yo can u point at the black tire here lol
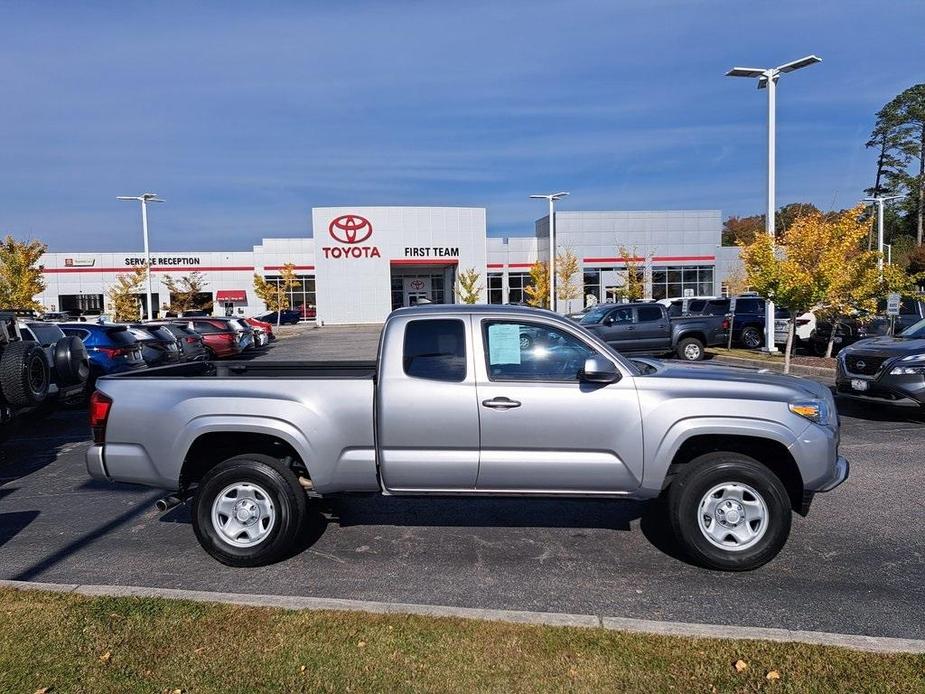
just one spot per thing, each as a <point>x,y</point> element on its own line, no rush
<point>751,338</point>
<point>72,365</point>
<point>24,373</point>
<point>690,349</point>
<point>281,487</point>
<point>693,483</point>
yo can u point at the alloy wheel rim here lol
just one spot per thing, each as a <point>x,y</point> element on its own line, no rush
<point>733,516</point>
<point>243,514</point>
<point>692,352</point>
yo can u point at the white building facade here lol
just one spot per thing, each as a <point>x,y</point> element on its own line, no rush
<point>363,262</point>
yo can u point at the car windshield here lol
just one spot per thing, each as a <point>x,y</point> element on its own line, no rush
<point>595,314</point>
<point>916,330</point>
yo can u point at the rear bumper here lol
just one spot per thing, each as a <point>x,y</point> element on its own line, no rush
<point>96,467</point>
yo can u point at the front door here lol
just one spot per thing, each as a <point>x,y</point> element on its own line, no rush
<point>653,331</point>
<point>544,430</point>
<point>617,329</point>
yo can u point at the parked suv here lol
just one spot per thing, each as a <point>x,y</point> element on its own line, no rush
<point>189,342</point>
<point>885,370</point>
<point>68,362</point>
<point>112,348</point>
<point>24,372</point>
<point>218,336</point>
<point>850,329</point>
<point>158,346</point>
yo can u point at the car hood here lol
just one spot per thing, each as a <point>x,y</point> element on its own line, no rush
<point>886,346</point>
<point>715,378</point>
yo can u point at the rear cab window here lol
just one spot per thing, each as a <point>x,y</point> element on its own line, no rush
<point>648,314</point>
<point>435,350</point>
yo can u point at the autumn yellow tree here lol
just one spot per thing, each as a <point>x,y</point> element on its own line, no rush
<point>20,273</point>
<point>567,270</point>
<point>467,287</point>
<point>634,277</point>
<point>538,290</point>
<point>123,295</point>
<point>275,293</point>
<point>820,264</point>
<point>185,293</point>
<point>736,282</point>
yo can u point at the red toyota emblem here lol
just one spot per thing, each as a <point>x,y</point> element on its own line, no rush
<point>417,285</point>
<point>350,228</point>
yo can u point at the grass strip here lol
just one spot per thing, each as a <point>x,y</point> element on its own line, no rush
<point>55,642</point>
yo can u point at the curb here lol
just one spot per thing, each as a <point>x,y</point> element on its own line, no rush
<point>876,644</point>
<point>795,369</point>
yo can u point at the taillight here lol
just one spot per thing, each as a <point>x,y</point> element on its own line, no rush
<point>190,340</point>
<point>100,405</point>
<point>725,324</point>
<point>113,352</point>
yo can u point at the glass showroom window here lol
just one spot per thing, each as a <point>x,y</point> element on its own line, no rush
<point>303,295</point>
<point>592,284</point>
<point>517,283</point>
<point>670,282</point>
<point>495,288</point>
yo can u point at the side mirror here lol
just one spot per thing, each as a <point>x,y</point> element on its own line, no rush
<point>597,369</point>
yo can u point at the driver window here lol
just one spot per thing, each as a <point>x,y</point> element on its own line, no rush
<point>621,315</point>
<point>532,352</point>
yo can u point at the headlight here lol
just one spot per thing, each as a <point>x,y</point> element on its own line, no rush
<point>814,410</point>
<point>907,370</point>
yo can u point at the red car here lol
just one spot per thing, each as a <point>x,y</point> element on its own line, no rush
<point>307,312</point>
<point>219,338</point>
<point>263,325</point>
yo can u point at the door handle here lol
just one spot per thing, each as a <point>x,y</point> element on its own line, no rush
<point>500,403</point>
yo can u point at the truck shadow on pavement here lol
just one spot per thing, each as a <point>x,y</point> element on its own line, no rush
<point>502,512</point>
<point>37,443</point>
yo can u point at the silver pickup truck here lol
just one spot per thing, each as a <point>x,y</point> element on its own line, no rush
<point>457,404</point>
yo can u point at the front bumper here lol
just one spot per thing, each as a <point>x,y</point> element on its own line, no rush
<point>906,390</point>
<point>842,470</point>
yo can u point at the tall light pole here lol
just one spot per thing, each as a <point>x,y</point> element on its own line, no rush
<point>144,199</point>
<point>878,200</point>
<point>767,79</point>
<point>552,197</point>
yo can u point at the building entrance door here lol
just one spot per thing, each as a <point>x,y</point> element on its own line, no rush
<point>417,288</point>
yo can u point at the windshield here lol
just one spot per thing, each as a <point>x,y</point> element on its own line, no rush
<point>595,314</point>
<point>916,330</point>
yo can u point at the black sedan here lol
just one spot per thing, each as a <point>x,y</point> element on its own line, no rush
<point>158,345</point>
<point>885,370</point>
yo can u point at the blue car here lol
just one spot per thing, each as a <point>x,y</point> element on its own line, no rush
<point>112,349</point>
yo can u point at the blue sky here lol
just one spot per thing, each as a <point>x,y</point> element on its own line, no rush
<point>245,115</point>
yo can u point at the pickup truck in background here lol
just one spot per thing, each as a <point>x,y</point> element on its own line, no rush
<point>647,328</point>
<point>454,405</point>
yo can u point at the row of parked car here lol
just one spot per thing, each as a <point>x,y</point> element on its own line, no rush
<point>45,363</point>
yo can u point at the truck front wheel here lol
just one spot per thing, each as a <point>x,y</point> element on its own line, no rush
<point>249,510</point>
<point>729,512</point>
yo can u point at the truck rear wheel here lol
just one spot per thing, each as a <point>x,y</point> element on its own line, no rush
<point>249,510</point>
<point>690,349</point>
<point>752,338</point>
<point>729,512</point>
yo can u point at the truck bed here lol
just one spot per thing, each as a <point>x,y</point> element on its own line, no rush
<point>360,370</point>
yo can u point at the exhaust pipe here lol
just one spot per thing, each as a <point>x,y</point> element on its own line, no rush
<point>167,503</point>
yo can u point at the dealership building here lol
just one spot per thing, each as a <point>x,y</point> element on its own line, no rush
<point>362,262</point>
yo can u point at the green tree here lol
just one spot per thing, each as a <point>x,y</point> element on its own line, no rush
<point>467,288</point>
<point>186,293</point>
<point>123,295</point>
<point>275,293</point>
<point>899,136</point>
<point>538,290</point>
<point>567,271</point>
<point>20,273</point>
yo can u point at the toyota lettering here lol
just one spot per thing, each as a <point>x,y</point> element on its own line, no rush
<point>350,230</point>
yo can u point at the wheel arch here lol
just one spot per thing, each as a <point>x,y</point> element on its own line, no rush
<point>771,452</point>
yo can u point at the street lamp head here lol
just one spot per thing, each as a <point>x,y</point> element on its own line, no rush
<point>145,197</point>
<point>550,196</point>
<point>797,64</point>
<point>746,72</point>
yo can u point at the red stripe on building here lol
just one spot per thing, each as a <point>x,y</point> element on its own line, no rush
<point>492,266</point>
<point>296,267</point>
<point>157,268</point>
<point>657,258</point>
<point>425,261</point>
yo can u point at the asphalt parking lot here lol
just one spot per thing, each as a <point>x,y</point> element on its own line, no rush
<point>855,565</point>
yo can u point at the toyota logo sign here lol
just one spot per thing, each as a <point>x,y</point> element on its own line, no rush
<point>350,228</point>
<point>417,285</point>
